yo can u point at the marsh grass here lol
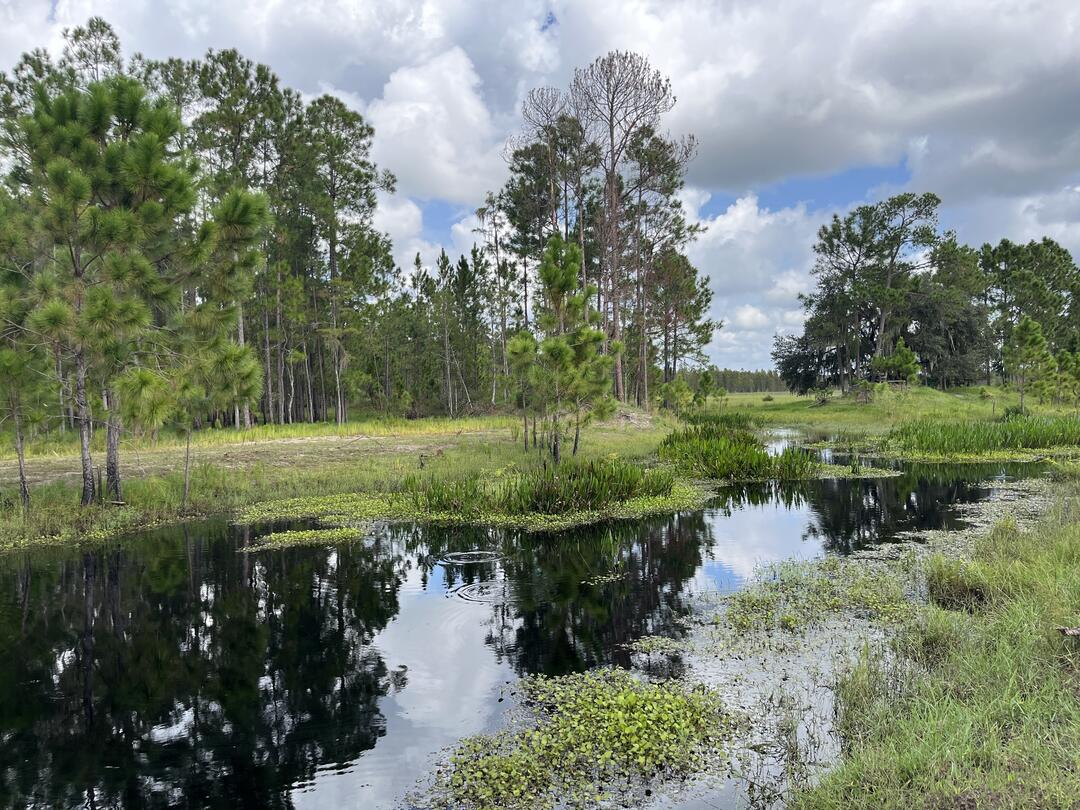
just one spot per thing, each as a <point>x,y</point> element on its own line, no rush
<point>728,450</point>
<point>227,487</point>
<point>931,437</point>
<point>793,596</point>
<point>977,706</point>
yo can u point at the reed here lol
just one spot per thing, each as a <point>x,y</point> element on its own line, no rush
<point>972,437</point>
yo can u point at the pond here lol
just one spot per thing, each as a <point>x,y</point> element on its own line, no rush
<point>175,670</point>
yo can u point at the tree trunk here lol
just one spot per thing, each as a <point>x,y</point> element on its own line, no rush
<point>246,411</point>
<point>20,452</point>
<point>187,472</point>
<point>82,410</point>
<point>112,451</point>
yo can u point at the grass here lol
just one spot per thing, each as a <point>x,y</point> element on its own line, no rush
<point>888,409</point>
<point>724,449</point>
<point>976,703</point>
<point>66,444</point>
<point>231,478</point>
<point>591,732</point>
<point>933,437</point>
<point>468,502</point>
<point>793,596</point>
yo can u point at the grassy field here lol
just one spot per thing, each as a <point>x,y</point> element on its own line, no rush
<point>298,461</point>
<point>977,702</point>
<point>847,416</point>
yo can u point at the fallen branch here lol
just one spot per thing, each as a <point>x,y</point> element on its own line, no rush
<point>1070,631</point>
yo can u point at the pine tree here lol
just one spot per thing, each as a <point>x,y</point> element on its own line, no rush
<point>1027,356</point>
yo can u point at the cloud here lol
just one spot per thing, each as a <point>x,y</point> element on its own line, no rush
<point>976,99</point>
<point>434,131</point>
<point>757,261</point>
<point>750,318</point>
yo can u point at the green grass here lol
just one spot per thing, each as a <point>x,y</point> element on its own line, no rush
<point>889,408</point>
<point>234,479</point>
<point>977,703</point>
<point>713,449</point>
<point>57,444</point>
<point>932,437</point>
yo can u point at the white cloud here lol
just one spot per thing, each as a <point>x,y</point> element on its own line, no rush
<point>757,261</point>
<point>749,317</point>
<point>977,97</point>
<point>434,131</point>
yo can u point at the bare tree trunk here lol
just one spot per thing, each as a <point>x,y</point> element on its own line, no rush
<point>307,381</point>
<point>20,452</point>
<point>112,450</point>
<point>187,472</point>
<point>82,410</point>
<point>240,340</point>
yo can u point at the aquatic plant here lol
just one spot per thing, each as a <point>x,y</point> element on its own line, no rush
<point>569,486</point>
<point>716,450</point>
<point>591,730</point>
<point>971,437</point>
<point>792,596</point>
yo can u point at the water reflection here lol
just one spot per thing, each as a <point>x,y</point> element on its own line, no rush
<point>174,670</point>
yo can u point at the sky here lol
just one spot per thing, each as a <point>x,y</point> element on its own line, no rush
<point>801,109</point>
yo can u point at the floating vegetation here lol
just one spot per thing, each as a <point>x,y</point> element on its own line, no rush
<point>590,733</point>
<point>307,537</point>
<point>936,438</point>
<point>791,596</point>
<point>655,645</point>
<point>652,492</point>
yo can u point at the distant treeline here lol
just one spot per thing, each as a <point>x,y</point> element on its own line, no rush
<point>740,381</point>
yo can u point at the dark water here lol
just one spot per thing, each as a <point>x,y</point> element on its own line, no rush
<point>172,670</point>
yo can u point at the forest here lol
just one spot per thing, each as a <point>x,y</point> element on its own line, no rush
<point>188,244</point>
<point>897,297</point>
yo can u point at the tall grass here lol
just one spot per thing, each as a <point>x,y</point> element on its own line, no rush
<point>549,489</point>
<point>977,703</point>
<point>712,449</point>
<point>934,437</point>
<point>578,486</point>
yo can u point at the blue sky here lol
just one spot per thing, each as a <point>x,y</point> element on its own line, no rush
<point>800,110</point>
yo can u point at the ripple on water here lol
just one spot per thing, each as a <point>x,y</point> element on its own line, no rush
<point>487,592</point>
<point>469,557</point>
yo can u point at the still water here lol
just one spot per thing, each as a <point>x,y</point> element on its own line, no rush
<point>175,670</point>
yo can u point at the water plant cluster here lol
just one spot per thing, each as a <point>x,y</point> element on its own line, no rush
<point>548,488</point>
<point>792,596</point>
<point>591,732</point>
<point>932,437</point>
<point>725,447</point>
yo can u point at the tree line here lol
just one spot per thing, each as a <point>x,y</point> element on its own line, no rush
<point>896,296</point>
<point>190,243</point>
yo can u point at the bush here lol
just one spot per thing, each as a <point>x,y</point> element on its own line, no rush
<point>767,398</point>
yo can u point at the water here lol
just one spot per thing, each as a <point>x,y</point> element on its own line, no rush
<point>174,670</point>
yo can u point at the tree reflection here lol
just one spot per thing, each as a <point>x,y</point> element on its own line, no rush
<point>188,673</point>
